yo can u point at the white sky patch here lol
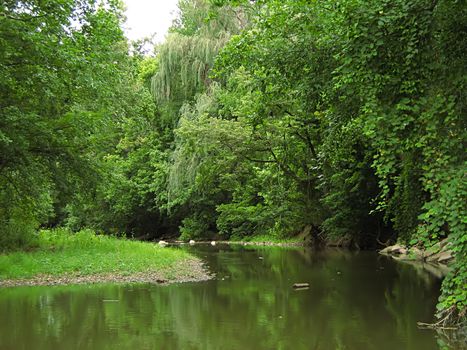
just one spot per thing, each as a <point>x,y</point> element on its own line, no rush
<point>146,17</point>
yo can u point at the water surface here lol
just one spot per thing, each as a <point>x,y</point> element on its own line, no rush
<point>356,300</point>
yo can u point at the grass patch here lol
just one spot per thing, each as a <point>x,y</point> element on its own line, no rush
<point>61,252</point>
<point>272,239</point>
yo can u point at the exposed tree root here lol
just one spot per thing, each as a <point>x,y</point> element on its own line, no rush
<point>450,319</point>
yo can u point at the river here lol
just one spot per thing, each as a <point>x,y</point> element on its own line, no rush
<point>356,300</point>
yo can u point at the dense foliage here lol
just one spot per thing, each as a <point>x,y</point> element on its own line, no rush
<point>62,67</point>
<point>346,118</point>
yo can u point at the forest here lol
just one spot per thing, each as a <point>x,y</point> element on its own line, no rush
<point>252,119</point>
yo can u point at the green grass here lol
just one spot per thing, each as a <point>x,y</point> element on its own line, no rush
<point>60,252</point>
<point>272,239</point>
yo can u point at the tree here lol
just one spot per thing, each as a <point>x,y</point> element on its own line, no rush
<point>59,64</point>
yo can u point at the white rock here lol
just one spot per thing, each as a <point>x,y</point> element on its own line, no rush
<point>444,257</point>
<point>386,250</point>
<point>192,241</point>
<point>398,249</point>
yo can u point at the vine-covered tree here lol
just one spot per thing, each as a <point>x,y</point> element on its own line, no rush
<point>355,110</point>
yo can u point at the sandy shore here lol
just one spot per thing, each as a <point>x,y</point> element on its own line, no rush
<point>189,270</point>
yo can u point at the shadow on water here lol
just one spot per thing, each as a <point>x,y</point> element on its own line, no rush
<point>356,300</point>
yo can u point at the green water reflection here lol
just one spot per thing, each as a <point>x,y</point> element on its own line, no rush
<point>356,301</point>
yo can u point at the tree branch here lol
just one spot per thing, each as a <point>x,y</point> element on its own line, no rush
<point>30,18</point>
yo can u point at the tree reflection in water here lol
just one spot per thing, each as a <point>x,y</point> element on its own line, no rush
<point>356,300</point>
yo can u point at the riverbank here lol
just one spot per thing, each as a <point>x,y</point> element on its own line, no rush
<point>299,240</point>
<point>440,253</point>
<point>61,257</point>
<point>271,243</point>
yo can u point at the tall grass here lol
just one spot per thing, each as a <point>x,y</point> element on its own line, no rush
<point>62,252</point>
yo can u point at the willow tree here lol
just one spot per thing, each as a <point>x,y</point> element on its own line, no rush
<point>188,53</point>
